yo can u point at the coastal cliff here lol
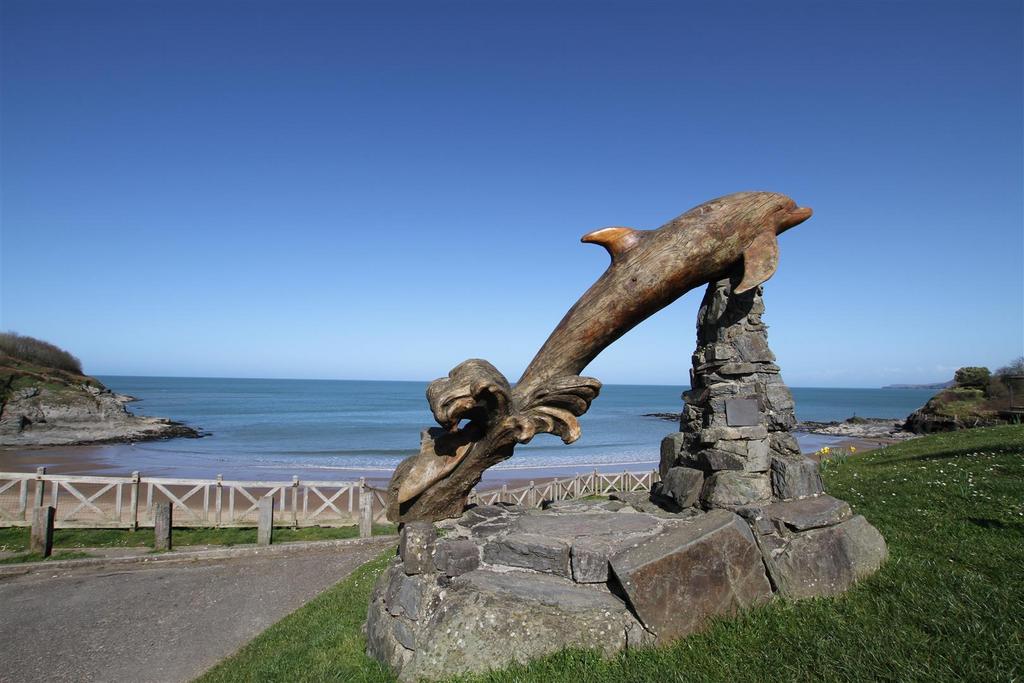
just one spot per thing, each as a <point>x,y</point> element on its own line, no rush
<point>42,405</point>
<point>977,398</point>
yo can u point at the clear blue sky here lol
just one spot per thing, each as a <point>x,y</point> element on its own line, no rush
<point>381,190</point>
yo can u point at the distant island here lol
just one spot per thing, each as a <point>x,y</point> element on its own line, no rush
<point>937,386</point>
<point>46,400</point>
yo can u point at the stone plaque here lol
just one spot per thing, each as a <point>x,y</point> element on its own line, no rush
<point>742,412</point>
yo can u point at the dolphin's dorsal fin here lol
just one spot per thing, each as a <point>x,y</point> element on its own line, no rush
<point>617,240</point>
<point>760,260</point>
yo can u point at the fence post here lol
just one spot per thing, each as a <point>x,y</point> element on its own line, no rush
<point>162,520</point>
<point>41,540</point>
<point>365,510</point>
<point>295,502</point>
<point>40,485</point>
<point>218,500</point>
<point>23,500</point>
<point>595,485</point>
<point>533,494</point>
<point>134,504</point>
<point>504,493</point>
<point>265,530</point>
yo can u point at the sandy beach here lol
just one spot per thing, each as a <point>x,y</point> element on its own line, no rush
<point>117,461</point>
<point>96,461</point>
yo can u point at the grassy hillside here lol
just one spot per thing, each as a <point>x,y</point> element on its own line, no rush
<point>28,362</point>
<point>38,352</point>
<point>948,605</point>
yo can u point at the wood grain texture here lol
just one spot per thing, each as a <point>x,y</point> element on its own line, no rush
<point>649,270</point>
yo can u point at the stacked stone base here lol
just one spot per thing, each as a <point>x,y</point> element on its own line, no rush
<point>505,584</point>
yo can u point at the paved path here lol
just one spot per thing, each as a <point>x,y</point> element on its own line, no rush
<point>155,623</point>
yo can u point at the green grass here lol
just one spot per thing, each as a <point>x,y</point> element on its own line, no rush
<point>37,557</point>
<point>948,605</point>
<point>16,538</point>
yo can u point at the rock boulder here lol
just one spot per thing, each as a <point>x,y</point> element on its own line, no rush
<point>692,571</point>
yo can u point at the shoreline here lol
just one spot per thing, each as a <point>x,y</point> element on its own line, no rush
<point>94,460</point>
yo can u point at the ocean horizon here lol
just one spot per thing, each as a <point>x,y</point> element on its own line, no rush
<point>341,429</point>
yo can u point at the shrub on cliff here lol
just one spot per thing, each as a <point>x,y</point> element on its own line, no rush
<point>38,352</point>
<point>972,377</point>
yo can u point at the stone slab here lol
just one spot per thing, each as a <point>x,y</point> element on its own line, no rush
<point>731,489</point>
<point>713,434</point>
<point>456,556</point>
<point>683,485</point>
<point>416,547</point>
<point>577,506</point>
<point>671,448</point>
<point>715,460</point>
<point>823,561</point>
<point>809,513</point>
<point>694,570</point>
<point>591,554</point>
<point>568,527</point>
<point>530,551</point>
<point>795,477</point>
<point>655,504</point>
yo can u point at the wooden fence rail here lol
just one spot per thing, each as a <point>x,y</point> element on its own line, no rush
<point>580,486</point>
<point>129,502</point>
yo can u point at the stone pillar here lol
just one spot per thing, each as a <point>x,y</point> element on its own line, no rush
<point>735,426</point>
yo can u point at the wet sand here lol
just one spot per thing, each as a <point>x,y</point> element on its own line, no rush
<point>96,461</point>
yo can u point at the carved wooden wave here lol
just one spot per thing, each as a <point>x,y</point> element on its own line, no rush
<point>482,417</point>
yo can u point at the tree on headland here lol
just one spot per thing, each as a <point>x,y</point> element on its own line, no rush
<point>38,352</point>
<point>972,377</point>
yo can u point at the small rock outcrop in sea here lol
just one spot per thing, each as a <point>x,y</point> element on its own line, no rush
<point>859,428</point>
<point>44,406</point>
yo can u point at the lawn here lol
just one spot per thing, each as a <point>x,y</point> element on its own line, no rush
<point>16,538</point>
<point>948,605</point>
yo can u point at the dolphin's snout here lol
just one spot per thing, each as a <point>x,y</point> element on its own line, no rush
<point>795,216</point>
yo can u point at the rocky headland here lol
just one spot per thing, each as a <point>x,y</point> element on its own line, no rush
<point>42,405</point>
<point>977,398</point>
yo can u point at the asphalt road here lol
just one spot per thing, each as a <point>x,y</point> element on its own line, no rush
<point>155,623</point>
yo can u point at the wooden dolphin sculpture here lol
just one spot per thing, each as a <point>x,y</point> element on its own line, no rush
<point>649,270</point>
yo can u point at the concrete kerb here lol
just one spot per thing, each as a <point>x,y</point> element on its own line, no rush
<point>226,553</point>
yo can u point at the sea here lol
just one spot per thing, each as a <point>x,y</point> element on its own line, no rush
<point>338,429</point>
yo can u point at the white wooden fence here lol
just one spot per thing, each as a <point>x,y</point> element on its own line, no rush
<point>580,486</point>
<point>128,502</point>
